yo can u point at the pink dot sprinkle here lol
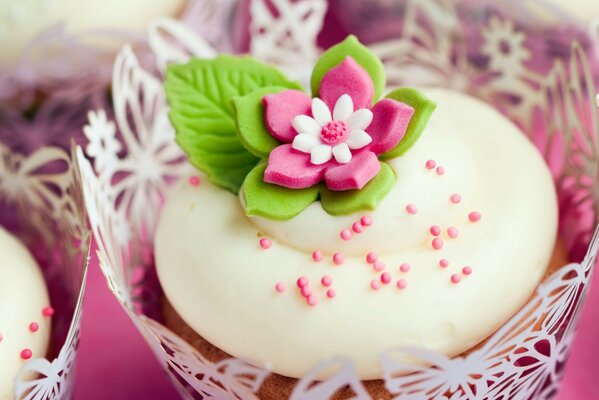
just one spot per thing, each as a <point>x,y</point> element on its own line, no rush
<point>366,220</point>
<point>48,312</point>
<point>385,278</point>
<point>338,258</point>
<point>357,227</point>
<point>455,278</point>
<point>435,230</point>
<point>455,198</point>
<point>371,257</point>
<point>440,170</point>
<point>378,266</point>
<point>326,281</point>
<point>279,287</point>
<point>194,181</point>
<point>1,337</point>
<point>312,300</point>
<point>411,209</point>
<point>345,234</point>
<point>466,270</point>
<point>26,354</point>
<point>474,216</point>
<point>443,263</point>
<point>375,285</point>
<point>265,243</point>
<point>405,267</point>
<point>430,164</point>
<point>453,232</point>
<point>331,293</point>
<point>317,255</point>
<point>437,243</point>
<point>34,327</point>
<point>306,291</point>
<point>302,281</point>
<point>402,284</point>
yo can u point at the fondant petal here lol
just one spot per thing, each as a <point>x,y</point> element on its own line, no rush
<point>389,123</point>
<point>358,172</point>
<point>320,112</point>
<point>344,107</point>
<point>305,142</point>
<point>290,168</point>
<point>280,109</point>
<point>321,154</point>
<point>342,153</point>
<point>358,139</point>
<point>360,119</point>
<point>347,78</point>
<point>305,124</point>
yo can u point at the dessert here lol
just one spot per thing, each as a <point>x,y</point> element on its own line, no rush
<point>24,311</point>
<point>345,223</point>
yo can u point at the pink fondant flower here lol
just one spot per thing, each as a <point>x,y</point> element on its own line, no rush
<point>340,147</point>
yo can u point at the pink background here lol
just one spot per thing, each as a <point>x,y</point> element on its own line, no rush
<point>115,362</point>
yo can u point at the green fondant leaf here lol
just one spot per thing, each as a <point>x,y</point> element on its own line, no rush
<point>273,201</point>
<point>423,109</point>
<point>360,53</point>
<point>199,94</point>
<point>351,201</point>
<point>249,112</point>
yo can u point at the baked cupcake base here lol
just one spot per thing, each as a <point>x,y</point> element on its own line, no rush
<point>277,387</point>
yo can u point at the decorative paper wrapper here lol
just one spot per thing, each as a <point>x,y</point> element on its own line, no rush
<point>41,203</point>
<point>479,51</point>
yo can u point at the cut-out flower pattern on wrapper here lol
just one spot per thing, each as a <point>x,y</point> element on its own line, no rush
<point>284,150</point>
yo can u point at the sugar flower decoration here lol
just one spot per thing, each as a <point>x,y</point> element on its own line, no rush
<point>254,132</point>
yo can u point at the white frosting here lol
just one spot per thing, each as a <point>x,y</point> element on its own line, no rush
<point>22,20</point>
<point>221,282</point>
<point>23,296</point>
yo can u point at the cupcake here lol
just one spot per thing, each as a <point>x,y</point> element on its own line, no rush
<point>24,312</point>
<point>346,222</point>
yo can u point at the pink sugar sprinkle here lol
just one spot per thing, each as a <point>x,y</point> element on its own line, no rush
<point>48,312</point>
<point>411,209</point>
<point>312,300</point>
<point>279,287</point>
<point>402,284</point>
<point>455,198</point>
<point>466,270</point>
<point>474,216</point>
<point>326,281</point>
<point>338,258</point>
<point>194,181</point>
<point>385,277</point>
<point>435,230</point>
<point>366,220</point>
<point>1,337</point>
<point>26,354</point>
<point>443,263</point>
<point>375,285</point>
<point>306,291</point>
<point>455,278</point>
<point>453,232</point>
<point>405,267</point>
<point>440,170</point>
<point>302,281</point>
<point>357,227</point>
<point>331,293</point>
<point>317,255</point>
<point>437,243</point>
<point>345,234</point>
<point>34,327</point>
<point>371,257</point>
<point>265,243</point>
<point>378,266</point>
<point>430,164</point>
